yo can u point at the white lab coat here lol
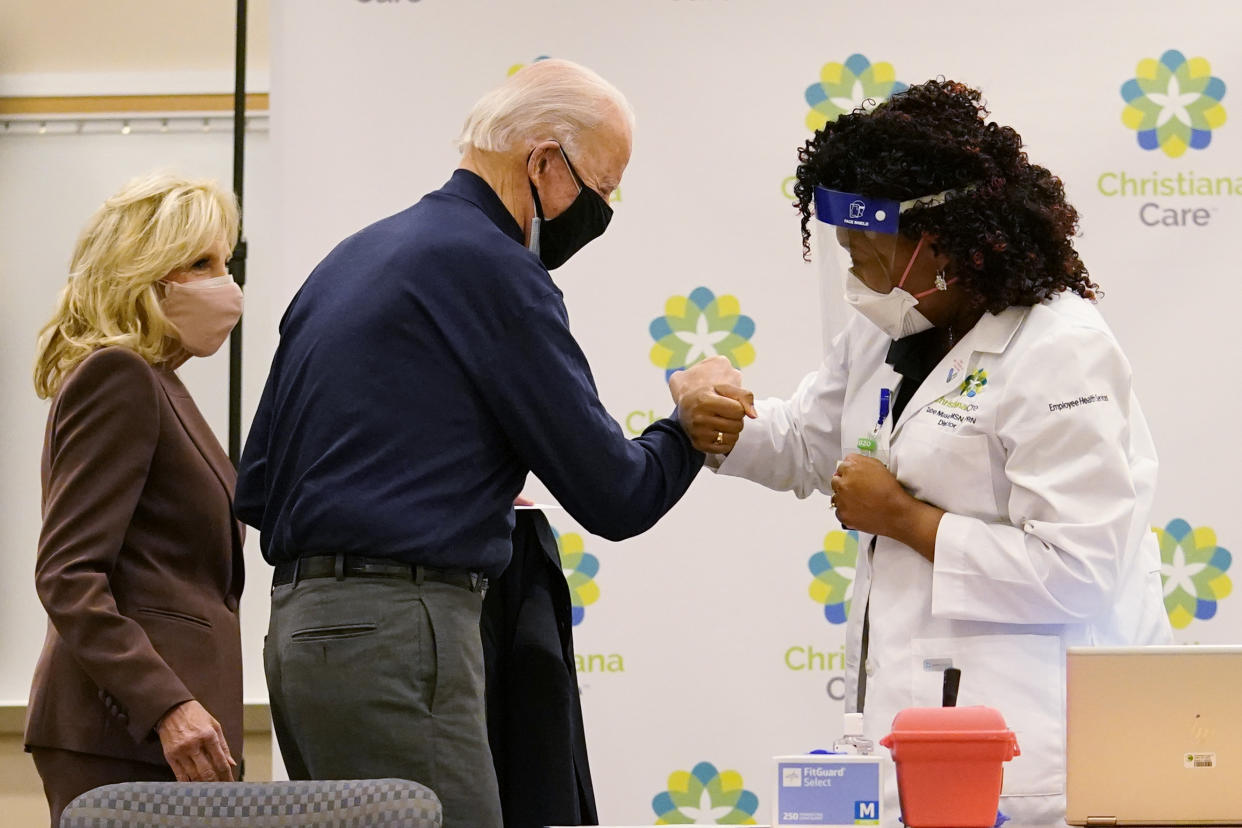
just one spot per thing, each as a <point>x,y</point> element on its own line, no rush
<point>1046,474</point>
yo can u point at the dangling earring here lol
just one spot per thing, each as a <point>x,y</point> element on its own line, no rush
<point>941,283</point>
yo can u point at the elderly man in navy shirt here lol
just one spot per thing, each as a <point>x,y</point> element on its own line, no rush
<point>424,368</point>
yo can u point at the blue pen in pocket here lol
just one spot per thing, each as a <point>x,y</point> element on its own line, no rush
<point>869,444</point>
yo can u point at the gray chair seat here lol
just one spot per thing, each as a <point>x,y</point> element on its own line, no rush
<point>351,803</point>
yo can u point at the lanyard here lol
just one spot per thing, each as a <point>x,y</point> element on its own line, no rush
<point>869,445</point>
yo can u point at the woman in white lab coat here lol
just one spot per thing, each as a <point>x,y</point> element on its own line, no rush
<point>1011,520</point>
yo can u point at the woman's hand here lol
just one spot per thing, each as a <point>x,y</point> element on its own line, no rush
<point>194,744</point>
<point>868,498</point>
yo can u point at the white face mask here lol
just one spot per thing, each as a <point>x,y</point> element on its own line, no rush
<point>896,312</point>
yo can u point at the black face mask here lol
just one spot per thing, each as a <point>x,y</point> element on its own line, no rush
<point>555,240</point>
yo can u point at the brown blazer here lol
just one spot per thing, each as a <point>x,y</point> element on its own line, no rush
<point>139,565</point>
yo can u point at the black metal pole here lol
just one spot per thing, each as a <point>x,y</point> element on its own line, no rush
<point>237,265</point>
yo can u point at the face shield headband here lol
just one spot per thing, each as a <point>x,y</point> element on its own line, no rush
<point>858,241</point>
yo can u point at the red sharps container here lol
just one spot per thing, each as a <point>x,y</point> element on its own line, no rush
<point>950,765</point>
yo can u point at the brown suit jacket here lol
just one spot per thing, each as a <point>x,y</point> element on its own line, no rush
<point>140,564</point>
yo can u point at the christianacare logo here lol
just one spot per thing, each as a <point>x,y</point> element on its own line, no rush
<point>699,326</point>
<point>974,383</point>
<point>1173,103</point>
<point>833,568</point>
<point>580,568</point>
<point>844,87</point>
<point>1193,570</point>
<point>705,796</point>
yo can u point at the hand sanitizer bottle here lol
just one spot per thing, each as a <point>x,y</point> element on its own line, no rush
<point>852,740</point>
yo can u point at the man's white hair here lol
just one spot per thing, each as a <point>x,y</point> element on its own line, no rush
<point>555,99</point>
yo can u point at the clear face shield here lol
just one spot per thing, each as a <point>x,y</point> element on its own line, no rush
<point>865,261</point>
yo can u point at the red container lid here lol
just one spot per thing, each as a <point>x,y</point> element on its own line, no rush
<point>949,724</point>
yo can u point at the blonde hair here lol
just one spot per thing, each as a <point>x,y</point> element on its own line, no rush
<point>157,224</point>
<point>555,99</point>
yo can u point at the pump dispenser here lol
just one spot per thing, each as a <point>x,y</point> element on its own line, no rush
<point>852,740</point>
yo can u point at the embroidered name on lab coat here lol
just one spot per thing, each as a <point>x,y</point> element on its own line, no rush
<point>950,412</point>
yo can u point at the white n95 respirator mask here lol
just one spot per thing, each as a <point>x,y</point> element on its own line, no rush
<point>896,312</point>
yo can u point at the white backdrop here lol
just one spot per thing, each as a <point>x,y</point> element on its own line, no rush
<point>704,648</point>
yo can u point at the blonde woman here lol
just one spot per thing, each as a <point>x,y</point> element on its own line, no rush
<point>140,561</point>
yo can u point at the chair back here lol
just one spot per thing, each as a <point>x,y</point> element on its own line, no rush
<point>347,803</point>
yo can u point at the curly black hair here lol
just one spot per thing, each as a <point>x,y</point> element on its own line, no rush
<point>1008,236</point>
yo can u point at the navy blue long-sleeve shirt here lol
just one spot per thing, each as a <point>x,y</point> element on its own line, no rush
<point>425,366</point>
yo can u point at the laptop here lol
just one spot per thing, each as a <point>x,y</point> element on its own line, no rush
<point>1154,735</point>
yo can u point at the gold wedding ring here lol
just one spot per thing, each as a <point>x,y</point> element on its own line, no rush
<point>719,438</point>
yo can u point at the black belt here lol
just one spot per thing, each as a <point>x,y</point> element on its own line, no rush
<point>355,566</point>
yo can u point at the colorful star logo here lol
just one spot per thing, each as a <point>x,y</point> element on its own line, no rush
<point>699,326</point>
<point>580,569</point>
<point>705,795</point>
<point>974,383</point>
<point>1192,568</point>
<point>833,568</point>
<point>844,87</point>
<point>1173,103</point>
<point>517,67</point>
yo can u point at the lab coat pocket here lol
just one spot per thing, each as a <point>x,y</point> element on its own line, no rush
<point>1022,676</point>
<point>948,470</point>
